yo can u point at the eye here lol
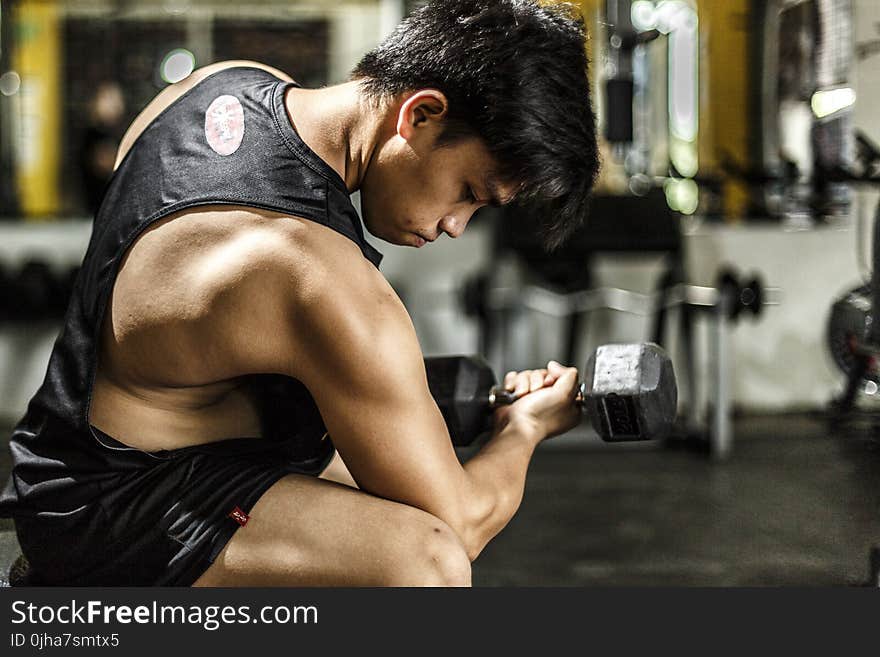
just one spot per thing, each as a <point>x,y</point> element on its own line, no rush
<point>469,194</point>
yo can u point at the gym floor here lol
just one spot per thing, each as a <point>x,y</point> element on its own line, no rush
<point>797,504</point>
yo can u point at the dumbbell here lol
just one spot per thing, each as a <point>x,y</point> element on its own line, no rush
<point>628,391</point>
<point>744,296</point>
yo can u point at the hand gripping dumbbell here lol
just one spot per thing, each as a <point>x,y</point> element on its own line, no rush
<point>628,391</point>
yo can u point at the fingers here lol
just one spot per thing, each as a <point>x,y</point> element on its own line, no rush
<point>536,379</point>
<point>526,381</point>
<point>557,369</point>
<point>509,381</point>
<point>561,371</point>
<point>565,378</point>
<point>521,383</point>
<point>554,370</point>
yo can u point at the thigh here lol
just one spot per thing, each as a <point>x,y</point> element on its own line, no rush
<point>306,531</point>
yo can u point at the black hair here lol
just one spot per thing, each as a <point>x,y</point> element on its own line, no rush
<point>515,75</point>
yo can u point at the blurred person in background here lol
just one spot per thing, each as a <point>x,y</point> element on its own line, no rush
<point>100,141</point>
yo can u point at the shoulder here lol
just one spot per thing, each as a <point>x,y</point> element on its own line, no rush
<point>334,276</point>
<point>343,307</point>
<point>201,73</point>
<point>306,260</point>
<point>172,92</point>
<point>304,295</point>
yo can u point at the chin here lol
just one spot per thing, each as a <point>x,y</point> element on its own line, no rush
<point>384,235</point>
<point>399,241</point>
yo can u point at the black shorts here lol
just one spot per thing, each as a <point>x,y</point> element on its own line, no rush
<point>161,517</point>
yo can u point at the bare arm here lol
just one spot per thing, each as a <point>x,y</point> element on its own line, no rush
<point>359,356</point>
<point>313,308</point>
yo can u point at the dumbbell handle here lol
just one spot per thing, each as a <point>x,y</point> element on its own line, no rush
<point>615,417</point>
<point>500,396</point>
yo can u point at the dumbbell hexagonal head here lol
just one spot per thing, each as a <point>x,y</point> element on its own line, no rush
<point>630,392</point>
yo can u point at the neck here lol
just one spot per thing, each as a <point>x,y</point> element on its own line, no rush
<point>338,125</point>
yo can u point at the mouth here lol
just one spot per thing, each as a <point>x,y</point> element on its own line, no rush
<point>420,240</point>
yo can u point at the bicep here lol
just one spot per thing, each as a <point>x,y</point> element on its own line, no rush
<point>365,370</point>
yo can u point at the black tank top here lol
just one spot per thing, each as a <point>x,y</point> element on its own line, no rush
<point>227,140</point>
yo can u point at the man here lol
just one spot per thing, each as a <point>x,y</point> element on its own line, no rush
<point>230,320</point>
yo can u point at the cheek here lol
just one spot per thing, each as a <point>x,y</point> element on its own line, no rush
<point>407,212</point>
<point>406,192</point>
<point>377,191</point>
<point>385,207</point>
<point>410,203</point>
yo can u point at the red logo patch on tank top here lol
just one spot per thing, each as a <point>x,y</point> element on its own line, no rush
<point>239,516</point>
<point>224,124</point>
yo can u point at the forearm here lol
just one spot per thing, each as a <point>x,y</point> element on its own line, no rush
<point>497,474</point>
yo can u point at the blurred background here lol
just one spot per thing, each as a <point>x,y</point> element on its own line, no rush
<point>733,224</point>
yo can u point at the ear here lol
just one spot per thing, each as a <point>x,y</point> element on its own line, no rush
<point>425,108</point>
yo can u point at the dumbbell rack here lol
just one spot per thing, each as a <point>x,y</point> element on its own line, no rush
<point>39,262</point>
<point>722,303</point>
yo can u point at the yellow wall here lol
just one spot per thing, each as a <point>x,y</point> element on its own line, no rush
<point>724,89</point>
<point>590,9</point>
<point>611,178</point>
<point>724,103</point>
<point>37,59</point>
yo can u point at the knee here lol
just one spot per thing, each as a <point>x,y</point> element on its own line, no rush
<point>437,558</point>
<point>450,563</point>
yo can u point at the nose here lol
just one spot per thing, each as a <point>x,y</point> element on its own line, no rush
<point>454,225</point>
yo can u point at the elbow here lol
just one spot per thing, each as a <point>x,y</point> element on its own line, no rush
<point>473,550</point>
<point>471,539</point>
<point>479,521</point>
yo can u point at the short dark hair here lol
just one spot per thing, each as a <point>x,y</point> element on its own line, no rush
<point>515,74</point>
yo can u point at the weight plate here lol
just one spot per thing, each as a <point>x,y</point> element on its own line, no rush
<point>848,325</point>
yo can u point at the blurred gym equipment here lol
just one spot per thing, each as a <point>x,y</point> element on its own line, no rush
<point>852,334</point>
<point>561,285</point>
<point>35,292</point>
